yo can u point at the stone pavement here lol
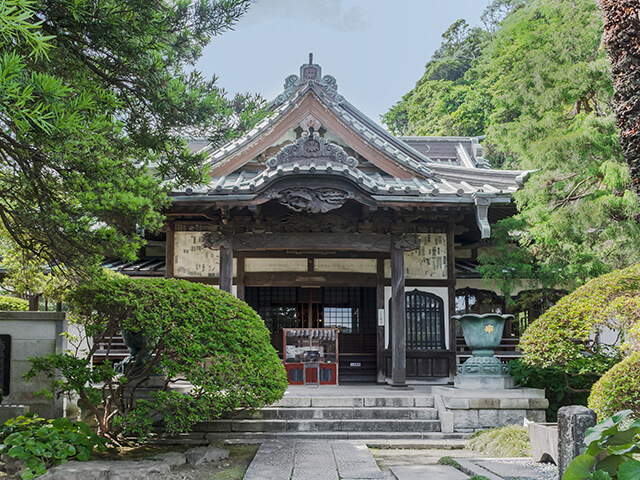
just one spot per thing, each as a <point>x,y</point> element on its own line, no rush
<point>313,460</point>
<point>352,460</point>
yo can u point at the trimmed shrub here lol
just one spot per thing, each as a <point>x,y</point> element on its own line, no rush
<point>13,304</point>
<point>560,388</point>
<point>569,330</point>
<point>507,441</point>
<point>618,389</point>
<point>190,331</point>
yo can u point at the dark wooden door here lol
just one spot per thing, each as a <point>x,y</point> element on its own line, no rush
<point>352,310</point>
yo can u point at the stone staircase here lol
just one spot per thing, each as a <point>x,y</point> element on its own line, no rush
<point>333,417</point>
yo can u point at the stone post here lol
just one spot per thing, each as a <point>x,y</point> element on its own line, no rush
<point>573,423</point>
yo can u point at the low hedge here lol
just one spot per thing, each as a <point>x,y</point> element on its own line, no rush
<point>618,389</point>
<point>13,304</point>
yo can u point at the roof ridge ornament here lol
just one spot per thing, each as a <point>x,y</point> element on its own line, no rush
<point>311,147</point>
<point>310,74</point>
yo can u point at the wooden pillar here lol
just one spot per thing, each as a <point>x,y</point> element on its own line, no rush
<point>240,279</point>
<point>380,312</point>
<point>398,322</point>
<point>226,268</point>
<point>169,251</point>
<point>451,277</point>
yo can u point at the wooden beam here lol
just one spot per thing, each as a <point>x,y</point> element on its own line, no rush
<point>313,241</point>
<point>302,279</point>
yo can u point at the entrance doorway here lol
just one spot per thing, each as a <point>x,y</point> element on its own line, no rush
<point>352,310</point>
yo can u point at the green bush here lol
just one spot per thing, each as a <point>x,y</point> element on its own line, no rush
<point>193,332</point>
<point>507,441</point>
<point>610,449</point>
<point>43,444</point>
<point>569,330</point>
<point>618,389</point>
<point>13,304</point>
<point>449,462</point>
<point>560,387</point>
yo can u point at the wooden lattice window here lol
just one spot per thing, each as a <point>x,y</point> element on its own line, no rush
<point>424,321</point>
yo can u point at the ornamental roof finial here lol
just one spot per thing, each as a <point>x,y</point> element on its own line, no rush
<point>311,59</point>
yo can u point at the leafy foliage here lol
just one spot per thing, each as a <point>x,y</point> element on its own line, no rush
<point>191,332</point>
<point>448,461</point>
<point>43,444</point>
<point>95,103</point>
<point>13,304</point>
<point>507,441</point>
<point>610,447</point>
<point>27,275</point>
<point>570,330</point>
<point>539,86</point>
<point>618,389</point>
<point>561,387</point>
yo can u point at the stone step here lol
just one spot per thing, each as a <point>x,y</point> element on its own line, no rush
<point>377,439</point>
<point>314,425</point>
<point>425,401</point>
<point>307,413</point>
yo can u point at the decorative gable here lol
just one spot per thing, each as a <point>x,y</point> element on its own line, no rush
<point>317,151</point>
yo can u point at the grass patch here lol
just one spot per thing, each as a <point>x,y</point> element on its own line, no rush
<point>240,457</point>
<point>507,441</point>
<point>449,462</point>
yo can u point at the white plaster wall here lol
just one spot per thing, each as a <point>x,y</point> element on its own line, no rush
<point>33,334</point>
<point>351,265</point>
<point>192,259</point>
<point>252,265</point>
<point>442,292</point>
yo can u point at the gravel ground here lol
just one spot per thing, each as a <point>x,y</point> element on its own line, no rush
<point>548,471</point>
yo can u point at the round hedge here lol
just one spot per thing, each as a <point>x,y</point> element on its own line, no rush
<point>12,304</point>
<point>562,335</point>
<point>618,389</point>
<point>198,332</point>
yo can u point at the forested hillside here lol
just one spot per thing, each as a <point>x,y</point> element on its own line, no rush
<point>536,80</point>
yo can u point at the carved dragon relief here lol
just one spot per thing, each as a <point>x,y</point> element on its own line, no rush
<point>407,242</point>
<point>215,240</point>
<point>311,147</point>
<point>312,200</point>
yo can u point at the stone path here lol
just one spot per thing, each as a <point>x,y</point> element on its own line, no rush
<point>313,460</point>
<point>352,460</point>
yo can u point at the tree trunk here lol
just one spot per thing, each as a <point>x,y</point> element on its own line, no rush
<point>34,301</point>
<point>622,40</point>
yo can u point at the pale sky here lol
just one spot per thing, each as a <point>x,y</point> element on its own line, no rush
<point>376,49</point>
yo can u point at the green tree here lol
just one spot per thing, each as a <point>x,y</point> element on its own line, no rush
<point>186,332</point>
<point>622,39</point>
<point>95,102</point>
<point>541,90</point>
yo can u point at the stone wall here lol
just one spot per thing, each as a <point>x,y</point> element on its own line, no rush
<point>469,410</point>
<point>33,334</point>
